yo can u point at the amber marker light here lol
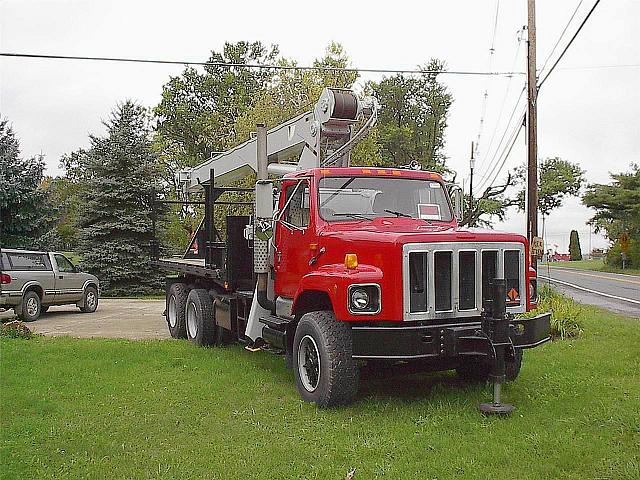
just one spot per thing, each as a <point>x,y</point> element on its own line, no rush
<point>351,260</point>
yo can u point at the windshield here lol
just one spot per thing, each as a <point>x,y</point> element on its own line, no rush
<point>344,198</point>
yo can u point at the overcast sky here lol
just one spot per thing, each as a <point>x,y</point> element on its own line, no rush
<point>589,109</point>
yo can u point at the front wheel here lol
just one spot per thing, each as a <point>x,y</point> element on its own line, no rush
<point>325,370</point>
<point>90,300</point>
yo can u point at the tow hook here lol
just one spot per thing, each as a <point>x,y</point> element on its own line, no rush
<point>495,326</point>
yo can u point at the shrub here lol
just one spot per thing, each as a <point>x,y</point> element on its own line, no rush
<point>565,313</point>
<point>614,257</point>
<point>15,329</point>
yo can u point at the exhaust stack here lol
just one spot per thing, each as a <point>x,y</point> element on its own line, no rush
<point>262,223</point>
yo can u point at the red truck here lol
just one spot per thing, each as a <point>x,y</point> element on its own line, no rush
<point>337,266</point>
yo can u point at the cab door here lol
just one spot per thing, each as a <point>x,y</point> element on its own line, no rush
<point>294,234</point>
<point>68,280</point>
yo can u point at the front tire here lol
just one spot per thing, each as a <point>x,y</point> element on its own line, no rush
<point>90,300</point>
<point>325,370</point>
<point>176,310</point>
<point>200,321</point>
<point>31,307</point>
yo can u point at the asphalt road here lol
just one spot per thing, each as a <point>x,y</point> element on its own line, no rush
<point>616,292</point>
<point>114,318</point>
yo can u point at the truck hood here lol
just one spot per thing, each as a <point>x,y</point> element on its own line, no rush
<point>410,230</point>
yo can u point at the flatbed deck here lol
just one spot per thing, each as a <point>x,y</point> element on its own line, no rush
<point>193,266</point>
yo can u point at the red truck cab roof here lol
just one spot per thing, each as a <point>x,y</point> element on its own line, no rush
<point>366,172</point>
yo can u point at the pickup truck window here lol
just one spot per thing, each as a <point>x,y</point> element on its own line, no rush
<point>343,198</point>
<point>64,265</point>
<point>29,261</point>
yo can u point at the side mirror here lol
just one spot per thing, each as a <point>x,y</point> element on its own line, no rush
<point>77,269</point>
<point>458,202</point>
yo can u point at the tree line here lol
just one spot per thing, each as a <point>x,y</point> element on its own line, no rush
<point>100,207</point>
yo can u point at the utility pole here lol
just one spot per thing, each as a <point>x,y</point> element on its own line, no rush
<point>532,129</point>
<point>472,164</point>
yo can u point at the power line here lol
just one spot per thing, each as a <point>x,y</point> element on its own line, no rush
<point>504,101</point>
<point>257,65</point>
<point>517,131</point>
<point>561,35</point>
<point>508,151</point>
<point>485,97</point>
<point>495,158</point>
<point>598,67</point>
<point>568,44</point>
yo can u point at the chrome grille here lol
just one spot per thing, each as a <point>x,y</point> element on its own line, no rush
<point>444,280</point>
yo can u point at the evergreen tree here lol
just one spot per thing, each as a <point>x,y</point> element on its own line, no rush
<point>23,203</point>
<point>574,246</point>
<point>120,173</point>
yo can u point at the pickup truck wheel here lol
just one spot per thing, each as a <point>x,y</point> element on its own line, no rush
<point>90,300</point>
<point>176,310</point>
<point>324,369</point>
<point>31,307</point>
<point>480,371</point>
<point>201,325</point>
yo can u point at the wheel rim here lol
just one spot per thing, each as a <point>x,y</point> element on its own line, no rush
<point>91,300</point>
<point>32,307</point>
<point>173,315</point>
<point>192,322</point>
<point>309,363</point>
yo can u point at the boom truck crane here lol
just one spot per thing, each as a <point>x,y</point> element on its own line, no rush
<point>336,266</point>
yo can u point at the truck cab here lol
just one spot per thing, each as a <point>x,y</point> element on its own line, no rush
<point>397,228</point>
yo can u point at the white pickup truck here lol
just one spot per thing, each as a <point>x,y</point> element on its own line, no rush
<point>30,282</point>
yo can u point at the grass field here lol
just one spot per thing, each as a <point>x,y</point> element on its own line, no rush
<point>165,409</point>
<point>597,265</point>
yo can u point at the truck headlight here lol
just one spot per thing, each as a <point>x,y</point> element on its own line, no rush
<point>364,299</point>
<point>359,298</point>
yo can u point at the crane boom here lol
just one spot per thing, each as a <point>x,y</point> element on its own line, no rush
<point>319,136</point>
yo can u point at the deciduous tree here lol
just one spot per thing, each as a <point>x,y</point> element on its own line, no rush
<point>413,118</point>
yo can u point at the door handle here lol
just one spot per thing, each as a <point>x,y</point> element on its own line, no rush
<point>60,277</point>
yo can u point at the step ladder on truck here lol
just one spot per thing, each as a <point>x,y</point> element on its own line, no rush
<point>337,267</point>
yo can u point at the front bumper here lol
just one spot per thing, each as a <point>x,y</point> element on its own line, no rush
<point>442,340</point>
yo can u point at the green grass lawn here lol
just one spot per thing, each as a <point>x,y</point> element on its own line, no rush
<point>597,265</point>
<point>166,409</point>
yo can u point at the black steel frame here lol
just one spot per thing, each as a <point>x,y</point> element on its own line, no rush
<point>215,250</point>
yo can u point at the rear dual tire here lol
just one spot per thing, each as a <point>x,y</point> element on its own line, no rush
<point>176,308</point>
<point>199,318</point>
<point>325,370</point>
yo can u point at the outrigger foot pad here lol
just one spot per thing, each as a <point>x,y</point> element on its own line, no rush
<point>496,408</point>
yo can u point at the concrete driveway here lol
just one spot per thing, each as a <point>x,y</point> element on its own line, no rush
<point>115,318</point>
